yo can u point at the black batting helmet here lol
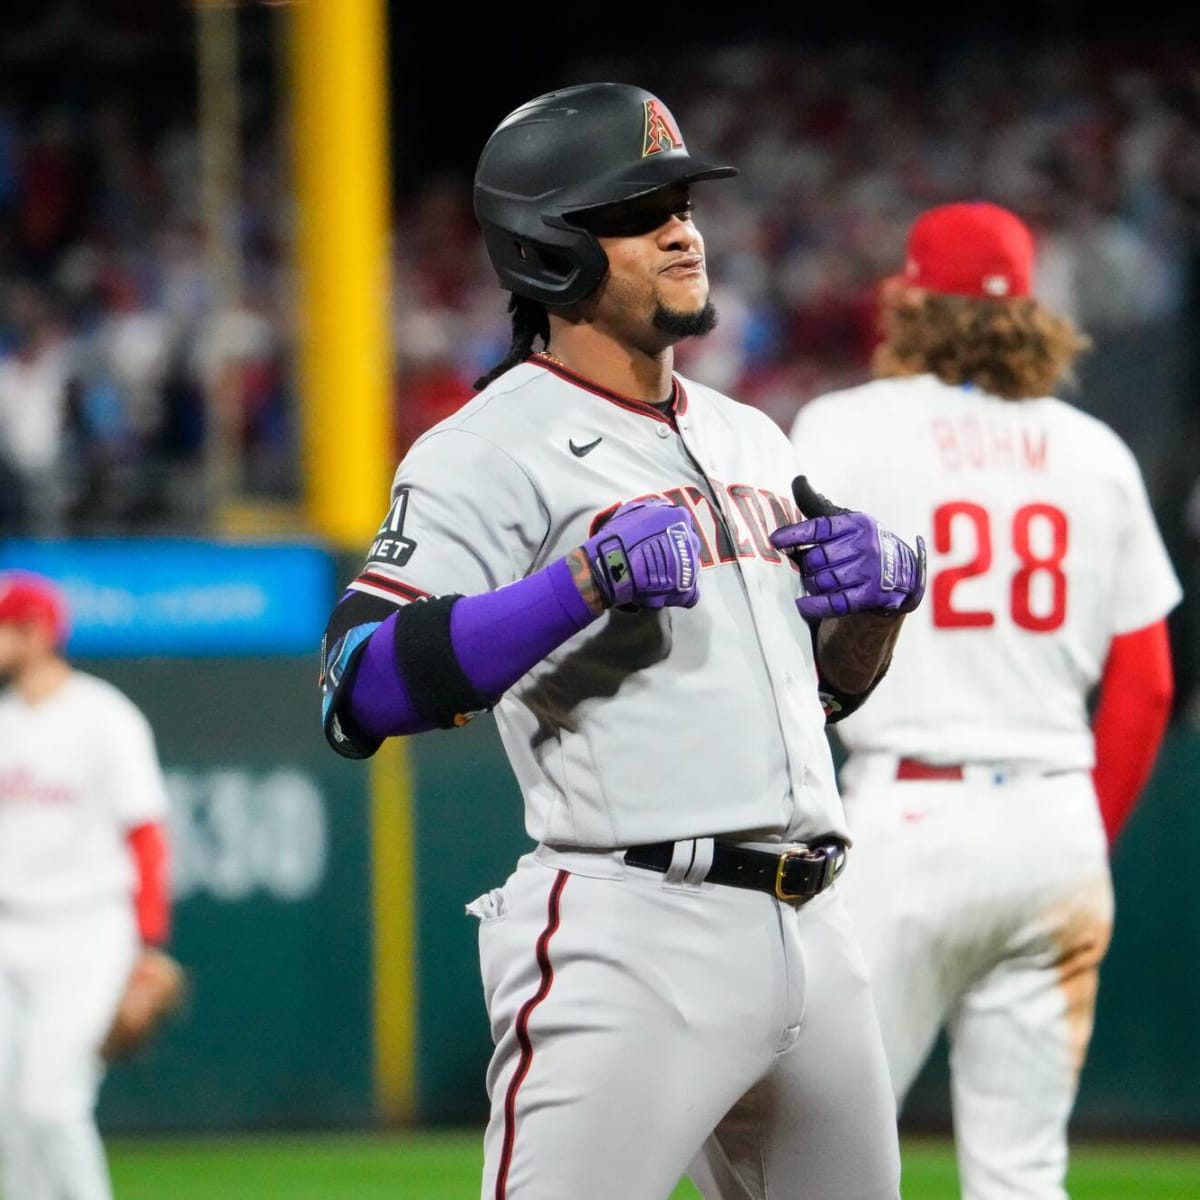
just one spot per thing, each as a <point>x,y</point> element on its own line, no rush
<point>559,155</point>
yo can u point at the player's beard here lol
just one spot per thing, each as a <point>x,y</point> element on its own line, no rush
<point>686,324</point>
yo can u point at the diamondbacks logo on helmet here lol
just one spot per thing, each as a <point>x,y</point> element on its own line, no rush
<point>661,131</point>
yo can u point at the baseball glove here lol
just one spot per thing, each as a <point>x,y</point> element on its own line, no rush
<point>155,989</point>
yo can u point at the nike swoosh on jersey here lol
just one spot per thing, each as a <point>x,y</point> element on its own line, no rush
<point>580,451</point>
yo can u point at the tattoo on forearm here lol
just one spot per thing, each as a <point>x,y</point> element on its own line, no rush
<point>581,573</point>
<point>854,651</point>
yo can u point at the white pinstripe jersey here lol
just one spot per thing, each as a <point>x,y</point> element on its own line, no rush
<point>1042,547</point>
<point>648,726</point>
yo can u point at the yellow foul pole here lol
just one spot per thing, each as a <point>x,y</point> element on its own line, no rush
<point>340,151</point>
<point>339,146</point>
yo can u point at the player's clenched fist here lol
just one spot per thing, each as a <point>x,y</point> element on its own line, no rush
<point>848,561</point>
<point>647,553</point>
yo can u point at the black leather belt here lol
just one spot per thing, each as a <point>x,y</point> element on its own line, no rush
<point>797,874</point>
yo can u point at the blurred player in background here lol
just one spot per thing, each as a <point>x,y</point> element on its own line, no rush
<point>982,793</point>
<point>83,891</point>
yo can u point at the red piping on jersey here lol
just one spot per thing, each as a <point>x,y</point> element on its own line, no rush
<point>148,845</point>
<point>679,400</point>
<point>547,979</point>
<point>1131,719</point>
<point>403,590</point>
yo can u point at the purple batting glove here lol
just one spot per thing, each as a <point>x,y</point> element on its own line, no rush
<point>647,553</point>
<point>849,562</point>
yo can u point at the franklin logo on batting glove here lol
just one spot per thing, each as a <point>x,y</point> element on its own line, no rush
<point>645,554</point>
<point>684,554</point>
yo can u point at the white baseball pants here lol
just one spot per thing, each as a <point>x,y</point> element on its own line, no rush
<point>984,907</point>
<point>633,1017</point>
<point>61,977</point>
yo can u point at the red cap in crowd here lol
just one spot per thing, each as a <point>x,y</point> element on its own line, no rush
<point>970,249</point>
<point>25,596</point>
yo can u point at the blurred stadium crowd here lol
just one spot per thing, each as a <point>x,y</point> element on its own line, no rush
<point>114,339</point>
<point>116,350</point>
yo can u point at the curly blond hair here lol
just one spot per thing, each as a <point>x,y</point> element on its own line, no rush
<point>1015,347</point>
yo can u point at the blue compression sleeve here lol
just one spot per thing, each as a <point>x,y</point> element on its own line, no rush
<point>497,636</point>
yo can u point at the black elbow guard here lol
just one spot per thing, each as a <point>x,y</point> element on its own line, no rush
<point>437,685</point>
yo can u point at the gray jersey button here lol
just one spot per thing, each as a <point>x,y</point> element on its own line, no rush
<point>663,431</point>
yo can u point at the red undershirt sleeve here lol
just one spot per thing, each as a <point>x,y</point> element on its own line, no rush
<point>1130,720</point>
<point>148,844</point>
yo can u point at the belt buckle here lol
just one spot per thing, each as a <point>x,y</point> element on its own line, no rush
<point>828,858</point>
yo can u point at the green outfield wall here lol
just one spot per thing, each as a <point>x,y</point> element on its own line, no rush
<point>277,911</point>
<point>270,834</point>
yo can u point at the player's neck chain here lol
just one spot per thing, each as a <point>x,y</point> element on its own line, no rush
<point>550,357</point>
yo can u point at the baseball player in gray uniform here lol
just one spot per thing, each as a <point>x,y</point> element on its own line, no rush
<point>614,560</point>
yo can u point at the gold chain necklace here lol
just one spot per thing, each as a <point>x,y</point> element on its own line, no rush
<point>550,357</point>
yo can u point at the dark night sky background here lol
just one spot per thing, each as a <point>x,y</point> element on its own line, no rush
<point>455,71</point>
<point>451,86</point>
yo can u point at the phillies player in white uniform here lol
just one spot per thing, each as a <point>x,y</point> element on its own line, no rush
<point>980,880</point>
<point>588,547</point>
<point>83,885</point>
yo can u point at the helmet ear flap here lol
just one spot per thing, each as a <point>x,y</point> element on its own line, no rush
<point>557,271</point>
<point>551,263</point>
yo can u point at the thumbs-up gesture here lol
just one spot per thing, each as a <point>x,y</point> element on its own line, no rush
<point>848,562</point>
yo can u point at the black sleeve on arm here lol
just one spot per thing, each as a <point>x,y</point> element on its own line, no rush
<point>354,608</point>
<point>840,704</point>
<point>437,685</point>
<point>355,618</point>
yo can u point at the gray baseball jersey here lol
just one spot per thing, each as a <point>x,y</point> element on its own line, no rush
<point>612,736</point>
<point>616,993</point>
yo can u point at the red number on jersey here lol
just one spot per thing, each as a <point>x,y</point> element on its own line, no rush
<point>1033,563</point>
<point>945,615</point>
<point>1030,522</point>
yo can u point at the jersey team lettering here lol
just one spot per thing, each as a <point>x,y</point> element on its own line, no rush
<point>21,786</point>
<point>737,525</point>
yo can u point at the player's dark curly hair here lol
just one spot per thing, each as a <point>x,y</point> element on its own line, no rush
<point>529,321</point>
<point>1015,348</point>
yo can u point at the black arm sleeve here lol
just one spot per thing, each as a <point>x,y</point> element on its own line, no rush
<point>841,704</point>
